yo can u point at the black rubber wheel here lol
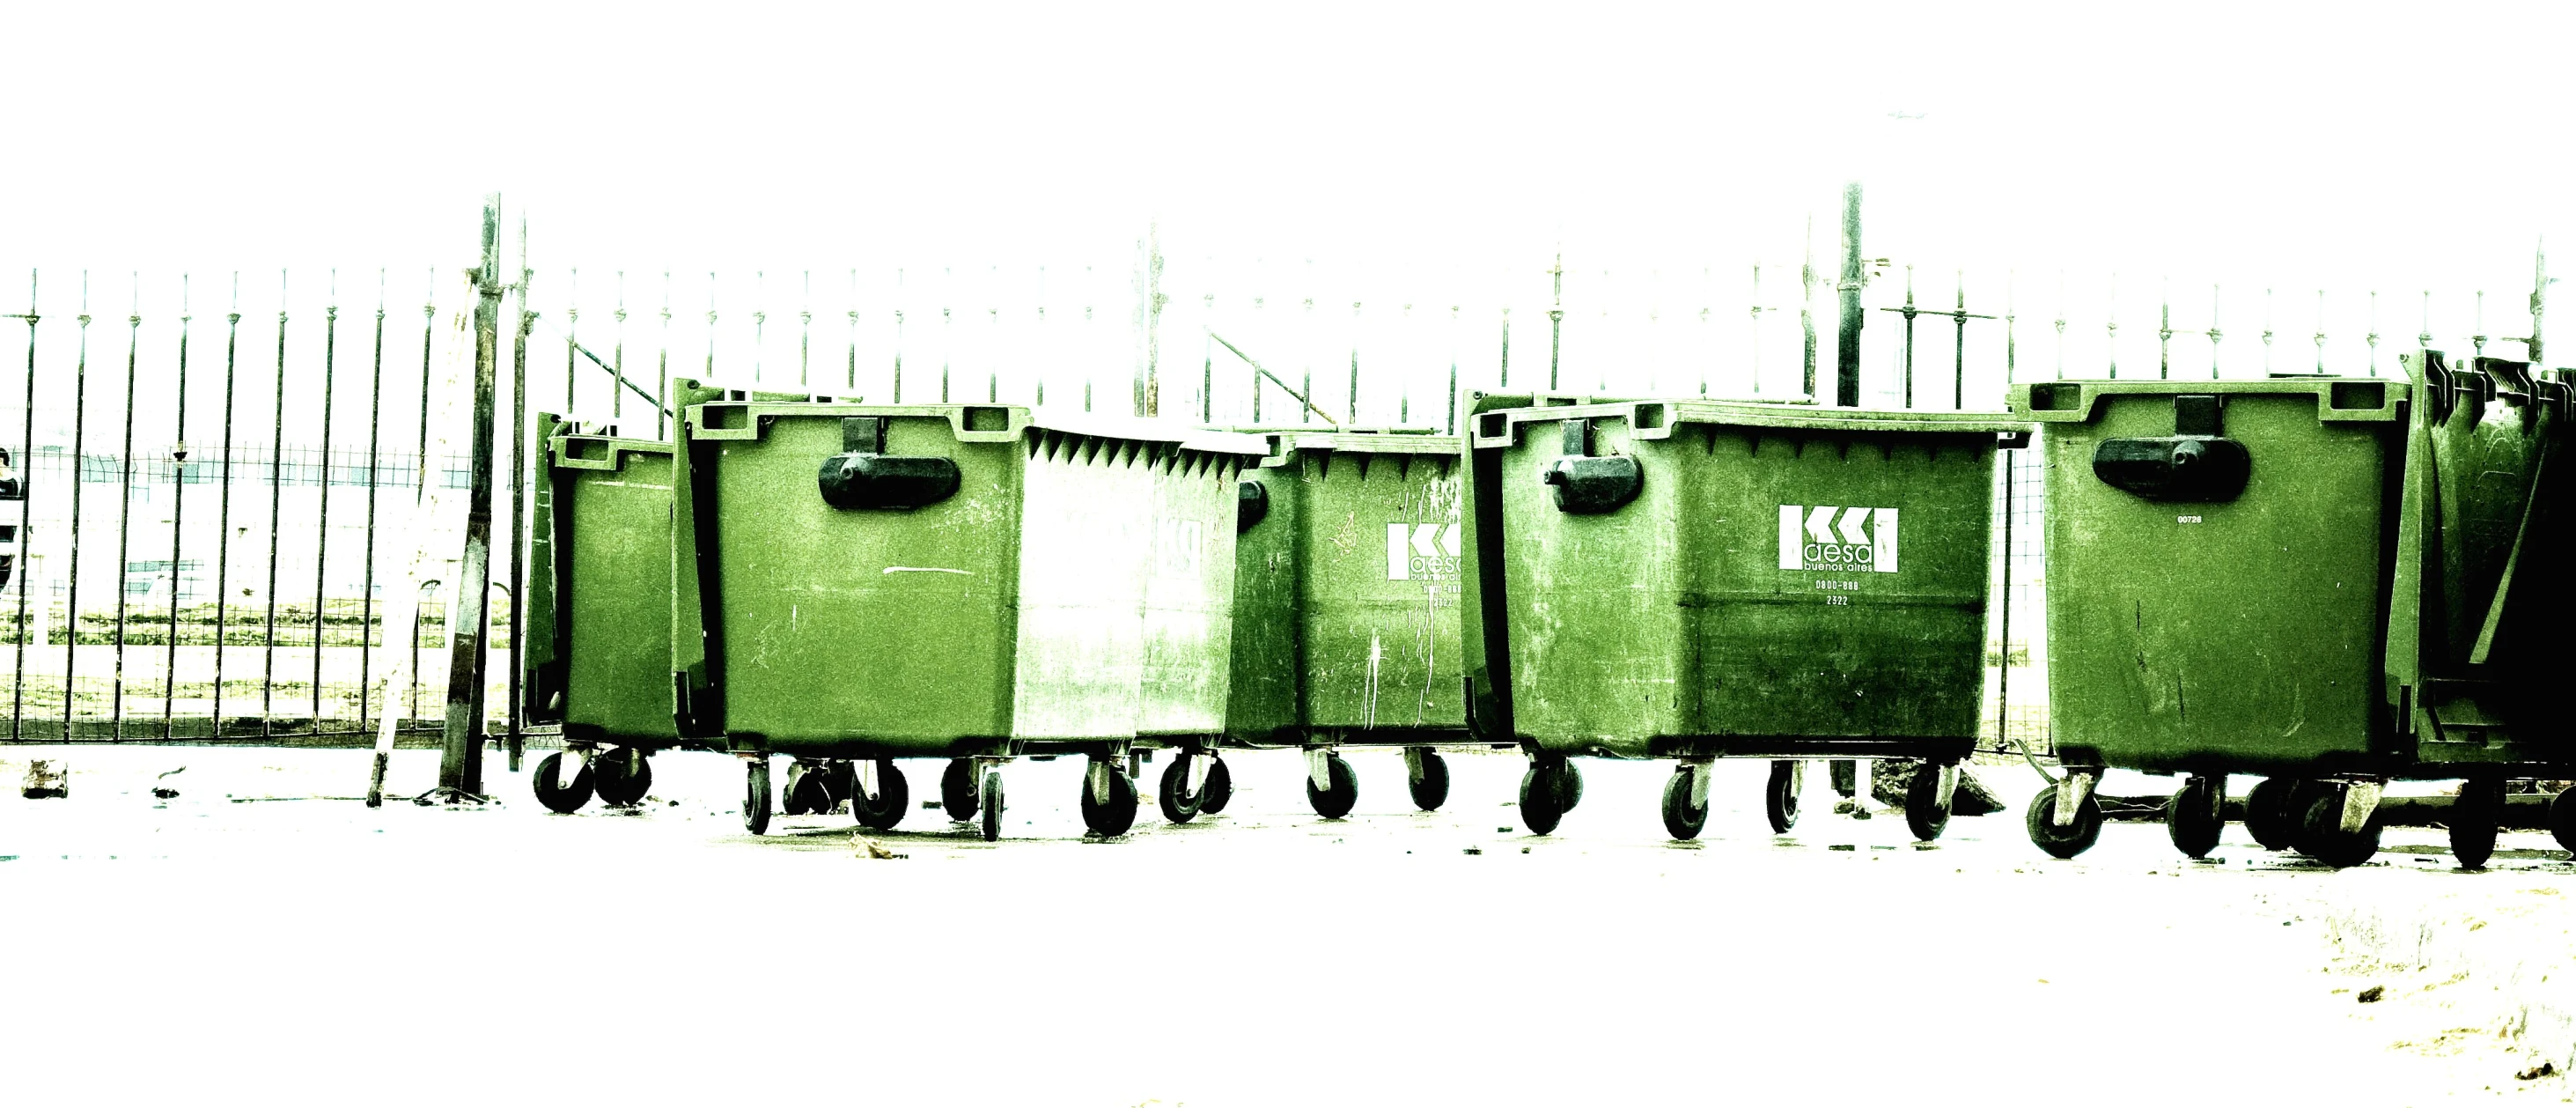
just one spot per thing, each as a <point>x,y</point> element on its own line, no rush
<point>621,776</point>
<point>2062,842</point>
<point>1569,784</point>
<point>1927,810</point>
<point>755,798</point>
<point>2474,819</point>
<point>990,808</point>
<point>2562,820</point>
<point>561,799</point>
<point>808,793</point>
<point>2267,813</point>
<point>1539,792</point>
<point>1681,819</point>
<point>2196,814</point>
<point>1178,805</point>
<point>1341,792</point>
<point>840,780</point>
<point>2321,835</point>
<point>1433,790</point>
<point>1218,790</point>
<point>957,789</point>
<point>1114,818</point>
<point>1780,797</point>
<point>894,798</point>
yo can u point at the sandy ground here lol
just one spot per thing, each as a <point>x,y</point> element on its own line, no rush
<point>314,951</point>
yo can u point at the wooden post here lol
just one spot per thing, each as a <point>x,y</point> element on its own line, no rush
<point>460,769</point>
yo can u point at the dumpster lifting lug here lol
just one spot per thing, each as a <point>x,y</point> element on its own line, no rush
<point>2072,790</point>
<point>2360,799</point>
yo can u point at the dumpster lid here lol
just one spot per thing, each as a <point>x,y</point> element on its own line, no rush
<point>1283,441</point>
<point>747,418</point>
<point>2338,399</point>
<point>1655,419</point>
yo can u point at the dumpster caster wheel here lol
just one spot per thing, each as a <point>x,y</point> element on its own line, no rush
<point>1569,784</point>
<point>2267,813</point>
<point>1335,801</point>
<point>1432,790</point>
<point>957,789</point>
<point>1178,805</point>
<point>2196,815</point>
<point>2321,835</point>
<point>1780,797</point>
<point>991,806</point>
<point>622,777</point>
<point>2062,842</point>
<point>894,798</point>
<point>1681,818</point>
<point>559,797</point>
<point>2562,820</point>
<point>807,792</point>
<point>755,798</point>
<point>2473,820</point>
<point>1218,790</point>
<point>1927,808</point>
<point>1114,818</point>
<point>1541,797</point>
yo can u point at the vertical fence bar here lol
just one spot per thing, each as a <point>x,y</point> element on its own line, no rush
<point>1449,423</point>
<point>125,505</point>
<point>850,377</point>
<point>2478,337</point>
<point>2321,330</point>
<point>1354,405</point>
<point>896,386</point>
<point>2060,322</point>
<point>759,325</point>
<point>2267,332</point>
<point>1757,337</point>
<point>1207,363</point>
<point>322,529</point>
<point>2111,327</point>
<point>276,500</point>
<point>1959,346</point>
<point>992,361</point>
<point>2372,339</point>
<point>617,358</point>
<point>805,336</point>
<point>2424,337</point>
<point>2214,333</point>
<point>516,710</point>
<point>708,374</point>
<point>661,369</point>
<point>421,470</point>
<point>572,347</point>
<point>26,488</point>
<point>1503,374</point>
<point>375,443</point>
<point>1555,321</point>
<point>2164,330</point>
<point>80,427</point>
<point>1847,337</point>
<point>224,505</point>
<point>1807,312</point>
<point>1909,336</point>
<point>947,338</point>
<point>178,520</point>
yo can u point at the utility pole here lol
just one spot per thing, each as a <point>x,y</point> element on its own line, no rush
<point>1847,343</point>
<point>460,766</point>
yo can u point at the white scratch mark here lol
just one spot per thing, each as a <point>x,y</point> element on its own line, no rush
<point>926,569</point>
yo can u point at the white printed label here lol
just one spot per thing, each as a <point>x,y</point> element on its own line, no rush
<point>1831,537</point>
<point>2186,519</point>
<point>1422,551</point>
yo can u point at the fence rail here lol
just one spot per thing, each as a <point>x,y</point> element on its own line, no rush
<point>218,502</point>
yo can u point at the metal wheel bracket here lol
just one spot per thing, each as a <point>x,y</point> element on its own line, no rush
<point>1699,775</point>
<point>1194,770</point>
<point>1319,767</point>
<point>1097,779</point>
<point>2072,790</point>
<point>1413,763</point>
<point>2360,799</point>
<point>864,776</point>
<point>1948,786</point>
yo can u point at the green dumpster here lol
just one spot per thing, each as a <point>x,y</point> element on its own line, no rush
<point>959,581</point>
<point>1347,606</point>
<point>1695,579</point>
<point>598,660</point>
<point>2319,580</point>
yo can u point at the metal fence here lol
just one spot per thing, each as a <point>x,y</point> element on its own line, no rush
<point>221,490</point>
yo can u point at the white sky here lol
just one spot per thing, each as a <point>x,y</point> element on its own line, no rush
<point>1403,152</point>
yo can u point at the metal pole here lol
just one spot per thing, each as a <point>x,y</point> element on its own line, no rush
<point>224,508</point>
<point>2164,330</point>
<point>460,766</point>
<point>80,421</point>
<point>1807,312</point>
<point>1909,336</point>
<point>1847,340</point>
<point>1959,349</point>
<point>516,708</point>
<point>26,517</point>
<point>375,439</point>
<point>2539,301</point>
<point>1556,320</point>
<point>125,504</point>
<point>1503,379</point>
<point>276,498</point>
<point>322,530</point>
<point>178,520</point>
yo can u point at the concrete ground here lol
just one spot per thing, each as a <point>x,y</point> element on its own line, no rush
<point>257,938</point>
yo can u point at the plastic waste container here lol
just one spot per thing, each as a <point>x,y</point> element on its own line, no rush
<point>1696,579</point>
<point>2319,580</point>
<point>960,581</point>
<point>598,660</point>
<point>1347,594</point>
